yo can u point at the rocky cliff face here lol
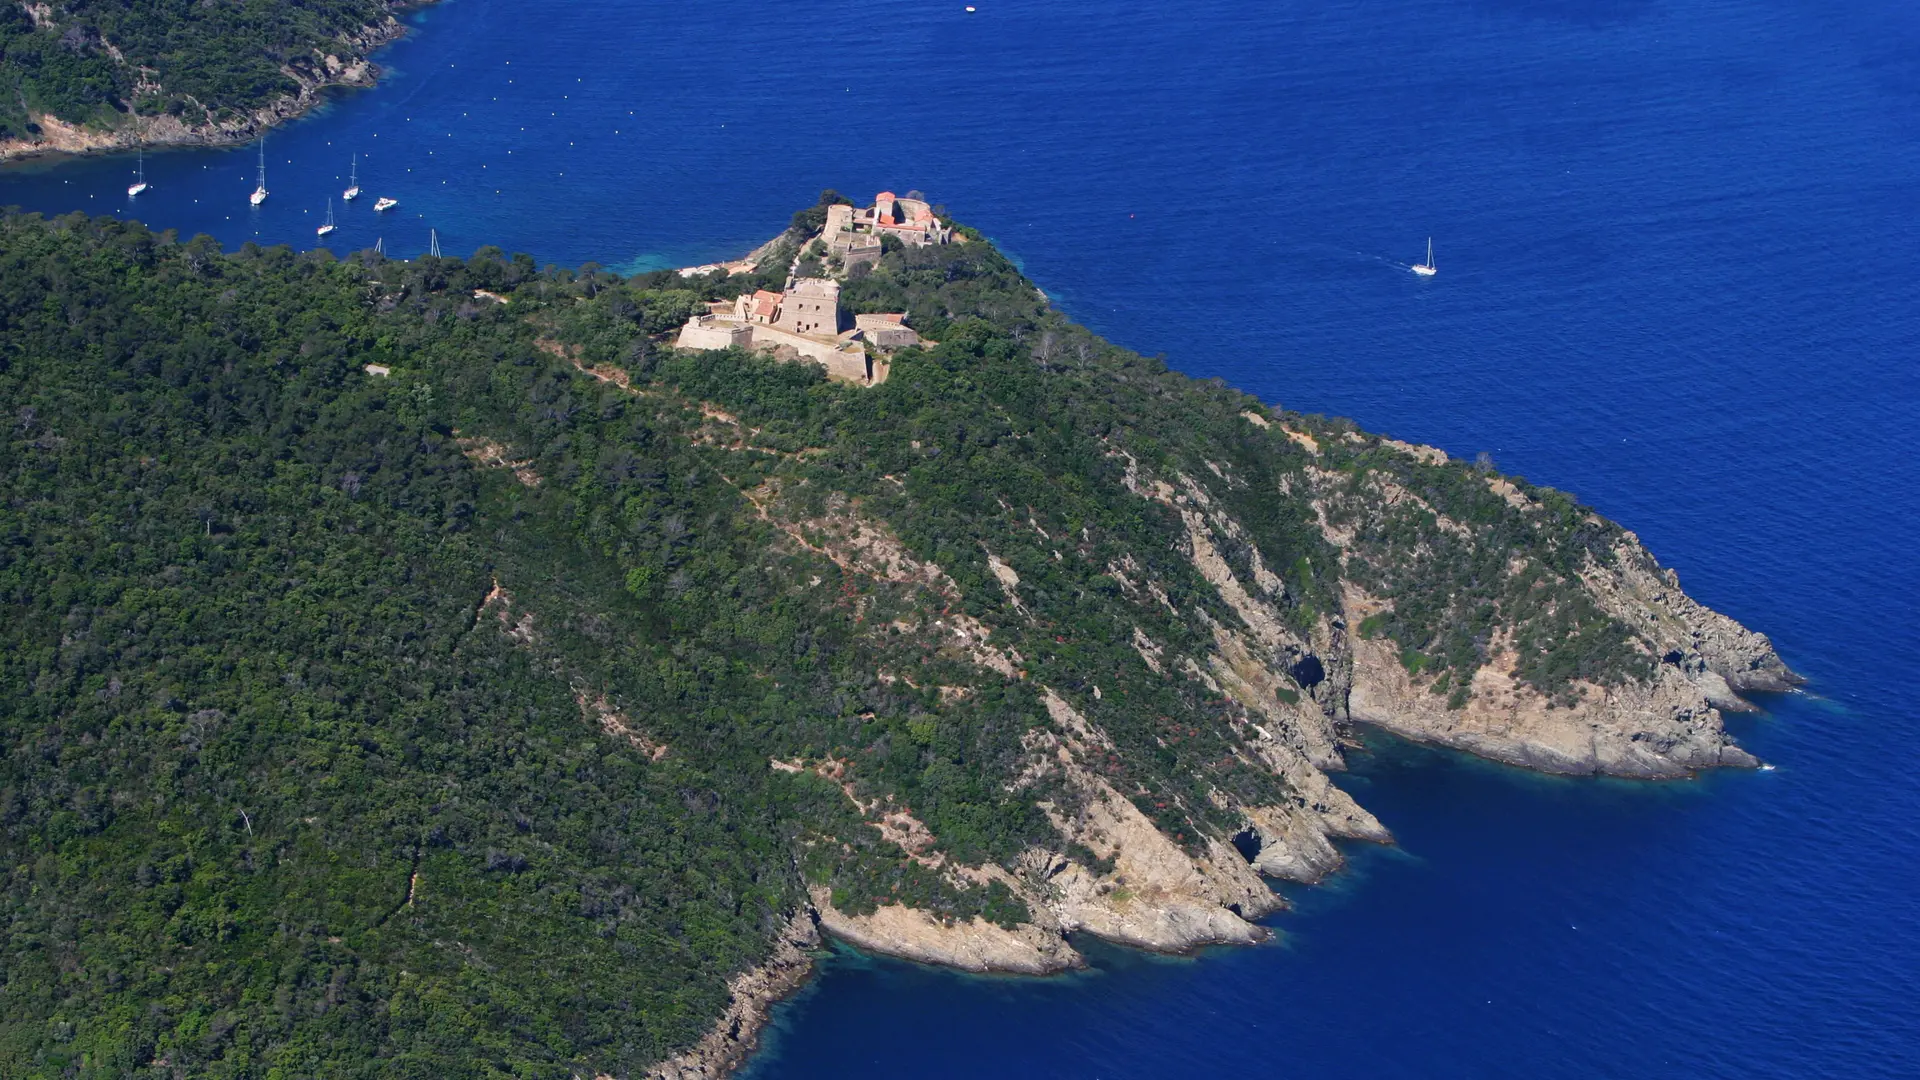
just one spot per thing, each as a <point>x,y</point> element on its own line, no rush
<point>1109,671</point>
<point>1291,691</point>
<point>976,945</point>
<point>1664,727</point>
<point>1665,721</point>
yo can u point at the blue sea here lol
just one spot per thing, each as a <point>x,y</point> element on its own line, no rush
<point>1679,275</point>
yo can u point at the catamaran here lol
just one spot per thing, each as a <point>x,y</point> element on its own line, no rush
<point>1426,269</point>
<point>260,191</point>
<point>328,227</point>
<point>139,175</point>
<point>353,182</point>
<point>384,203</point>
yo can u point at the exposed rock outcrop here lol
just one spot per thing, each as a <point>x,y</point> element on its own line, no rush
<point>753,992</point>
<point>977,945</point>
<point>1666,723</point>
<point>1289,690</point>
<point>1156,896</point>
<point>1663,728</point>
<point>1685,633</point>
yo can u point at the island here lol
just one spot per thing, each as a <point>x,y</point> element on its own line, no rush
<point>456,667</point>
<point>93,75</point>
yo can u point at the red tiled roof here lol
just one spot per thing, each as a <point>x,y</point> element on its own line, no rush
<point>765,303</point>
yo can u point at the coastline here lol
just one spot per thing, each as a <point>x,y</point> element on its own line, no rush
<point>1155,896</point>
<point>1612,326</point>
<point>736,1034</point>
<point>1127,879</point>
<point>62,138</point>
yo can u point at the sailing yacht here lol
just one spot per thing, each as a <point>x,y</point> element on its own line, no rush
<point>260,192</point>
<point>139,176</point>
<point>1426,269</point>
<point>384,203</point>
<point>328,227</point>
<point>353,182</point>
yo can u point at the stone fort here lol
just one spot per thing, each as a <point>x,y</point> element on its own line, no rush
<point>805,316</point>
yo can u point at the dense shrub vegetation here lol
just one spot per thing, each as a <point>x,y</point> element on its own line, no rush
<point>306,768</point>
<point>196,59</point>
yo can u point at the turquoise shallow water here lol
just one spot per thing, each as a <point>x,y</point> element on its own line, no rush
<point>1677,244</point>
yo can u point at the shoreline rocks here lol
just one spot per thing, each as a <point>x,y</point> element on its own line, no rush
<point>977,946</point>
<point>736,1035</point>
<point>60,137</point>
<point>1147,891</point>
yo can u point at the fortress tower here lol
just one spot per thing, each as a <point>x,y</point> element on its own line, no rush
<point>812,306</point>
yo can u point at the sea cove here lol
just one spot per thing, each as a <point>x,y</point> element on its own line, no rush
<point>1669,239</point>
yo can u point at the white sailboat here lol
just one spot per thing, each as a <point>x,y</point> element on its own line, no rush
<point>1426,269</point>
<point>260,190</point>
<point>384,203</point>
<point>139,175</point>
<point>353,181</point>
<point>328,227</point>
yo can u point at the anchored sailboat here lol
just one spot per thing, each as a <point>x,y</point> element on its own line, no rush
<point>1426,269</point>
<point>353,181</point>
<point>139,175</point>
<point>328,227</point>
<point>260,191</point>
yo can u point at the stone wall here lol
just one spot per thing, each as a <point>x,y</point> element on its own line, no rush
<point>846,360</point>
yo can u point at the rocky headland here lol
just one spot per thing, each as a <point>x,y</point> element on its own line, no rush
<point>1292,691</point>
<point>343,64</point>
<point>555,647</point>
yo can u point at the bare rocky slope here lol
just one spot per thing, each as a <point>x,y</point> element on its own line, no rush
<point>1287,698</point>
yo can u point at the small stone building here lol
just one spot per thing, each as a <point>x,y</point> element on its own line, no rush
<point>886,331</point>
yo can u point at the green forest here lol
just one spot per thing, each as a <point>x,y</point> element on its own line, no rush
<point>198,60</point>
<point>393,679</point>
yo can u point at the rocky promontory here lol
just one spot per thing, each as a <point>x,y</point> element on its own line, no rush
<point>339,61</point>
<point>413,677</point>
